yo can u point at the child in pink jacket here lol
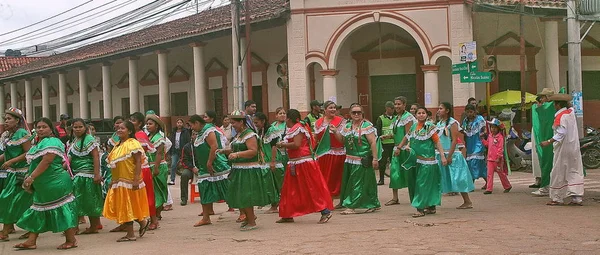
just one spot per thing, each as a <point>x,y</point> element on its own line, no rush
<point>495,157</point>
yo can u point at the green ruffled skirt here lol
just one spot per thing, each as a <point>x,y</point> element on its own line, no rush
<point>2,179</point>
<point>14,200</point>
<point>251,187</point>
<point>359,187</point>
<point>277,177</point>
<point>428,188</point>
<point>160,184</point>
<point>58,219</point>
<point>212,191</point>
<point>88,194</point>
<point>400,177</point>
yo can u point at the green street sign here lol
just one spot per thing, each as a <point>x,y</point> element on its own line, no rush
<point>462,67</point>
<point>476,77</point>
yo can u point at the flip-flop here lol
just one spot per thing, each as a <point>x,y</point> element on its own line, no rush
<point>4,238</point>
<point>370,210</point>
<point>153,226</point>
<point>143,229</point>
<point>465,207</point>
<point>241,219</point>
<point>202,223</point>
<point>348,212</point>
<point>248,228</point>
<point>418,215</point>
<point>66,246</point>
<point>554,203</point>
<point>285,220</point>
<point>87,232</point>
<point>126,239</point>
<point>23,246</point>
<point>245,222</point>
<point>392,202</point>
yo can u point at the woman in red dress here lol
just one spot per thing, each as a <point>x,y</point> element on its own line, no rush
<point>304,190</point>
<point>330,152</point>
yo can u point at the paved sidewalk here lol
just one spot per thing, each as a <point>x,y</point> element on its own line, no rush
<point>513,223</point>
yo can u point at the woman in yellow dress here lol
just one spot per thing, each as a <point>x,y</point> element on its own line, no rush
<point>126,200</point>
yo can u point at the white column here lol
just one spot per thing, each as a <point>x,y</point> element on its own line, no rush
<point>432,89</point>
<point>2,103</point>
<point>62,92</point>
<point>164,96</point>
<point>28,102</point>
<point>134,86</point>
<point>106,91</point>
<point>200,86</point>
<point>83,93</point>
<point>551,53</point>
<point>45,97</point>
<point>330,85</point>
<point>14,97</point>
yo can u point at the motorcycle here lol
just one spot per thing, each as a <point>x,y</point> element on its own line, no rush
<point>519,152</point>
<point>589,146</point>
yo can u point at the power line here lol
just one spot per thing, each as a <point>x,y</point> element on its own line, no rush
<point>54,16</point>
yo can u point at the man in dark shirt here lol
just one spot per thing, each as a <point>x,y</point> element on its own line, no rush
<point>63,134</point>
<point>189,168</point>
<point>383,126</point>
<point>314,114</point>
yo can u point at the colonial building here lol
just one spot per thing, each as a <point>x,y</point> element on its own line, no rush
<point>366,51</point>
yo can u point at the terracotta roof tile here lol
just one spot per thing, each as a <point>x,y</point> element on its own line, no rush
<point>205,22</point>
<point>7,63</point>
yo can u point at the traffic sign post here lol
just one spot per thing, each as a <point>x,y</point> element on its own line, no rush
<point>464,67</point>
<point>476,77</point>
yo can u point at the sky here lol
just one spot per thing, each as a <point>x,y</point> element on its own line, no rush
<point>17,14</point>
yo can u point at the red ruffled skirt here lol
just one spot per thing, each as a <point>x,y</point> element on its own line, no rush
<point>332,168</point>
<point>147,176</point>
<point>304,193</point>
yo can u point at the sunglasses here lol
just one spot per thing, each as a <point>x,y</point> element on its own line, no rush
<point>356,112</point>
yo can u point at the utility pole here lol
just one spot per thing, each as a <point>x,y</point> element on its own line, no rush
<point>248,50</point>
<point>574,43</point>
<point>522,66</point>
<point>235,49</point>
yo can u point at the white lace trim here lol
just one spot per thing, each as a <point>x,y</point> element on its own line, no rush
<point>18,141</point>
<point>126,185</point>
<point>352,161</point>
<point>363,131</point>
<point>320,128</point>
<point>165,141</point>
<point>334,151</point>
<point>3,175</point>
<point>250,165</point>
<point>84,175</point>
<point>273,135</point>
<point>146,145</point>
<point>53,150</point>
<point>423,137</point>
<point>17,171</point>
<point>113,164</point>
<point>475,156</point>
<point>298,130</point>
<point>201,139</point>
<point>78,153</point>
<point>476,129</point>
<point>292,162</point>
<point>402,122</point>
<point>277,165</point>
<point>241,140</point>
<point>213,178</point>
<point>112,142</point>
<point>427,162</point>
<point>163,162</point>
<point>63,201</point>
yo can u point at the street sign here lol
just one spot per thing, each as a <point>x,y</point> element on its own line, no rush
<point>476,77</point>
<point>462,67</point>
<point>468,51</point>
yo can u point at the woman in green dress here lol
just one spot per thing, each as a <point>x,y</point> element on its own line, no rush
<point>157,162</point>
<point>423,139</point>
<point>363,151</point>
<point>114,139</point>
<point>269,137</point>
<point>401,177</point>
<point>279,127</point>
<point>13,199</point>
<point>211,167</point>
<point>84,158</point>
<point>54,208</point>
<point>248,187</point>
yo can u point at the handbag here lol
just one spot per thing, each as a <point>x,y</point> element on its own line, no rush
<point>367,161</point>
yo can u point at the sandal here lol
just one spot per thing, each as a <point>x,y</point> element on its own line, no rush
<point>241,218</point>
<point>126,239</point>
<point>337,207</point>
<point>245,222</point>
<point>392,202</point>
<point>324,218</point>
<point>153,226</point>
<point>67,246</point>
<point>24,246</point>
<point>573,203</point>
<point>144,229</point>
<point>212,213</point>
<point>348,212</point>
<point>554,203</point>
<point>370,210</point>
<point>168,208</point>
<point>120,228</point>
<point>3,238</point>
<point>430,211</point>
<point>418,214</point>
<point>202,223</point>
<point>287,220</point>
<point>463,206</point>
<point>248,228</point>
<point>507,190</point>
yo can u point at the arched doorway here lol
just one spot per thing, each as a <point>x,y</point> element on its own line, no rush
<point>378,62</point>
